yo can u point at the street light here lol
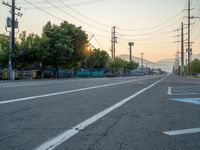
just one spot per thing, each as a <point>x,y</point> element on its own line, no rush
<point>131,44</point>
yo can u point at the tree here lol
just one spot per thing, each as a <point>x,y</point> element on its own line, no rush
<point>195,66</point>
<point>4,46</point>
<point>66,45</point>
<point>117,65</point>
<point>97,59</point>
<point>131,65</point>
<point>28,51</point>
<point>178,70</point>
<point>79,44</point>
<point>60,46</point>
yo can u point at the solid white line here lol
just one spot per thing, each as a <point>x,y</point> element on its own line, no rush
<point>169,92</point>
<point>33,83</point>
<point>181,132</point>
<point>65,92</point>
<point>56,141</point>
<point>25,84</point>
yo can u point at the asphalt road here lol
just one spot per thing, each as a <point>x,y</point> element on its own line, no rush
<point>135,113</point>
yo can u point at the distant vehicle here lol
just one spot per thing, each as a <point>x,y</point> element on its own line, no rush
<point>109,74</point>
<point>138,73</point>
<point>198,75</point>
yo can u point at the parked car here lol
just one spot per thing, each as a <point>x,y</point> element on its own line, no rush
<point>109,74</point>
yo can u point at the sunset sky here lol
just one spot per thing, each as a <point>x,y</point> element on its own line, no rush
<point>150,24</point>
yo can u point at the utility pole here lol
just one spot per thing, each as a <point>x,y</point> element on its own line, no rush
<point>189,48</point>
<point>182,50</point>
<point>13,24</point>
<point>142,66</point>
<point>113,41</point>
<point>130,45</point>
<point>142,59</point>
<point>112,44</point>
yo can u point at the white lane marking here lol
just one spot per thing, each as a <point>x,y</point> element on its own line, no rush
<point>183,90</point>
<point>169,92</point>
<point>65,92</point>
<point>181,132</point>
<point>56,141</point>
<point>25,84</point>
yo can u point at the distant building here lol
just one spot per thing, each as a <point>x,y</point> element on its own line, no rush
<point>156,71</point>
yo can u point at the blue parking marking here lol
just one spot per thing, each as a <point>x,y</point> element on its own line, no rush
<point>195,101</point>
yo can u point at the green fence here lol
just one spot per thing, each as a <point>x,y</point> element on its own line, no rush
<point>90,73</point>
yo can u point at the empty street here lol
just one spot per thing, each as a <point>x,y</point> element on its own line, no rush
<point>101,114</point>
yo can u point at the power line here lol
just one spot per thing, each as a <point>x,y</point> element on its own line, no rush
<point>74,4</point>
<point>164,35</point>
<point>155,32</point>
<point>94,21</point>
<point>153,27</point>
<point>76,17</point>
<point>38,2</point>
<point>197,20</point>
<point>46,12</point>
<point>60,19</point>
<point>98,43</point>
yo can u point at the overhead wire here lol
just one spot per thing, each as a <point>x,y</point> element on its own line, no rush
<point>162,35</point>
<point>76,17</point>
<point>197,21</point>
<point>153,27</point>
<point>94,21</point>
<point>61,6</point>
<point>155,33</point>
<point>46,12</point>
<point>60,19</point>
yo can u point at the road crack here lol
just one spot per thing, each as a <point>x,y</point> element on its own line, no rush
<point>118,119</point>
<point>13,113</point>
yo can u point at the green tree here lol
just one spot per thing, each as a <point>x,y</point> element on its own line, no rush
<point>117,65</point>
<point>131,65</point>
<point>4,46</point>
<point>178,70</point>
<point>195,66</point>
<point>29,50</point>
<point>78,44</point>
<point>66,45</point>
<point>97,59</point>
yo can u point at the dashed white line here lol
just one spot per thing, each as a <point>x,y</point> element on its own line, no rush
<point>58,140</point>
<point>169,92</point>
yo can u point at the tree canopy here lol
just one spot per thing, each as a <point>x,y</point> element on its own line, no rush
<point>65,44</point>
<point>195,66</point>
<point>59,46</point>
<point>4,44</point>
<point>97,59</point>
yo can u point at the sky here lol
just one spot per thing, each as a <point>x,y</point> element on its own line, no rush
<point>150,24</point>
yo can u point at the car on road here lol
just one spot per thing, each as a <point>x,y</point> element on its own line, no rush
<point>109,74</point>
